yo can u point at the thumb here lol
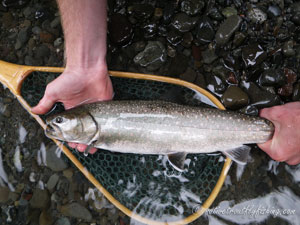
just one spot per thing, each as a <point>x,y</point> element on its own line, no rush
<point>44,105</point>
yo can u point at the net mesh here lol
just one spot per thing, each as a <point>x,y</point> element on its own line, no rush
<point>146,184</point>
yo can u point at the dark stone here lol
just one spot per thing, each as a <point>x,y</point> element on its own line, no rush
<point>259,98</point>
<point>238,39</point>
<point>174,37</point>
<point>209,56</point>
<point>272,77</point>
<point>250,110</point>
<point>169,11</point>
<point>227,29</point>
<point>205,32</point>
<point>183,22</point>
<point>120,29</point>
<point>215,84</point>
<point>187,40</point>
<point>149,29</point>
<point>215,14</point>
<point>235,98</point>
<point>192,7</point>
<point>189,75</point>
<point>40,199</point>
<point>288,48</point>
<point>253,55</point>
<point>141,11</point>
<point>16,4</point>
<point>178,65</point>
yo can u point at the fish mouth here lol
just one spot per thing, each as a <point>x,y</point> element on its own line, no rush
<point>52,131</point>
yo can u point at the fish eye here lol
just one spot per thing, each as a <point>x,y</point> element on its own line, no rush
<point>58,119</point>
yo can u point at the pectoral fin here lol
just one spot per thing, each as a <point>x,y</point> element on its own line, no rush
<point>239,155</point>
<point>177,160</point>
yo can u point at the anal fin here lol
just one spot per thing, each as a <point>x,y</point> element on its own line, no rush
<point>239,155</point>
<point>177,160</point>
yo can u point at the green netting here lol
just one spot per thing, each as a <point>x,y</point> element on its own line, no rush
<point>145,184</point>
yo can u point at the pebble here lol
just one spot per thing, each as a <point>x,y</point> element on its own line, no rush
<point>209,56</point>
<point>178,65</point>
<point>4,194</point>
<point>171,51</point>
<point>250,110</point>
<point>288,49</point>
<point>153,56</point>
<point>215,84</point>
<point>227,29</point>
<point>174,37</point>
<point>65,221</point>
<point>55,22</point>
<point>40,199</point>
<point>141,11</point>
<point>272,77</point>
<point>238,39</point>
<point>120,29</point>
<point>192,7</point>
<point>76,210</point>
<point>205,31</point>
<point>158,13</point>
<point>52,182</point>
<point>22,38</point>
<point>42,51</point>
<point>149,30</point>
<point>184,23</point>
<point>189,75</point>
<point>7,20</point>
<point>256,15</point>
<point>36,30</point>
<point>235,98</point>
<point>58,42</point>
<point>253,55</point>
<point>258,97</point>
<point>215,14</point>
<point>53,162</point>
<point>229,11</point>
<point>46,37</point>
<point>46,218</point>
<point>187,40</point>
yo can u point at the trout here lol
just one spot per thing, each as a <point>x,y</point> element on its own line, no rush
<point>158,127</point>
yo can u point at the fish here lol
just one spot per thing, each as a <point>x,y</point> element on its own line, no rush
<point>160,127</point>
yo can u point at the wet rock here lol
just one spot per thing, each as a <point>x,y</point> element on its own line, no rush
<point>23,37</point>
<point>250,110</point>
<point>40,199</point>
<point>192,7</point>
<point>16,4</point>
<point>183,22</point>
<point>76,210</point>
<point>238,39</point>
<point>153,56</point>
<point>42,51</point>
<point>46,37</point>
<point>235,98</point>
<point>68,173</point>
<point>187,40</point>
<point>258,97</point>
<point>272,77</point>
<point>55,22</point>
<point>4,194</point>
<point>253,55</point>
<point>52,182</point>
<point>273,11</point>
<point>53,162</point>
<point>205,32</point>
<point>174,37</point>
<point>229,11</point>
<point>296,92</point>
<point>288,49</point>
<point>63,221</point>
<point>227,29</point>
<point>215,14</point>
<point>158,13</point>
<point>256,15</point>
<point>36,30</point>
<point>178,65</point>
<point>215,84</point>
<point>7,20</point>
<point>189,75</point>
<point>141,11</point>
<point>149,29</point>
<point>169,11</point>
<point>58,42</point>
<point>171,51</point>
<point>46,218</point>
<point>200,80</point>
<point>120,29</point>
<point>209,55</point>
<point>291,77</point>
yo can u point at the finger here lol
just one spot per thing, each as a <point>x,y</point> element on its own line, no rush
<point>81,147</point>
<point>72,144</point>
<point>293,161</point>
<point>93,150</point>
<point>44,105</point>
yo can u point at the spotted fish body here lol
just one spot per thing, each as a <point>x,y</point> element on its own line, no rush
<point>157,127</point>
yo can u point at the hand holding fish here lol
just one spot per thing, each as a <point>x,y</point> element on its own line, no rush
<point>285,144</point>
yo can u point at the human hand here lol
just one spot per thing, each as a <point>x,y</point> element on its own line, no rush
<point>285,144</point>
<point>75,87</point>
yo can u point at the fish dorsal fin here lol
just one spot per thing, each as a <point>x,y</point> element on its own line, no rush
<point>239,155</point>
<point>177,160</point>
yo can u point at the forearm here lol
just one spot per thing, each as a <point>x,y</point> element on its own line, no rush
<point>84,24</point>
